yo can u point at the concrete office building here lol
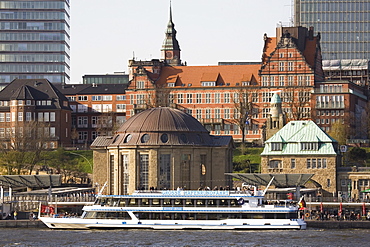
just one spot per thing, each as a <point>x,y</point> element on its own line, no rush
<point>344,26</point>
<point>35,40</point>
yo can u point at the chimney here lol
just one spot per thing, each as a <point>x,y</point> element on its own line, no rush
<point>310,33</point>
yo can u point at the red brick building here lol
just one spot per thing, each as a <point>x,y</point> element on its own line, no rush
<point>35,107</point>
<point>97,109</point>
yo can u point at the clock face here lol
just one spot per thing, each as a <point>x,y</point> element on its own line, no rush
<point>168,54</point>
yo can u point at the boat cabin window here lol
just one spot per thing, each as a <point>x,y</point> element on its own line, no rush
<point>133,202</point>
<point>167,202</point>
<point>123,202</point>
<point>145,202</point>
<point>189,202</point>
<point>156,202</point>
<point>200,203</point>
<point>178,203</point>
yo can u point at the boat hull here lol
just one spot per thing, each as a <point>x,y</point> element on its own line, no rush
<point>78,223</point>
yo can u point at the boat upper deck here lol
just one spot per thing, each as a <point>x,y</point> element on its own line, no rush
<point>186,194</point>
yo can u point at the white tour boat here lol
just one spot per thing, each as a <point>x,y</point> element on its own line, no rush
<point>184,209</point>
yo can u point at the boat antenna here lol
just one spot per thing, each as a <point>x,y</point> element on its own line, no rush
<point>264,192</point>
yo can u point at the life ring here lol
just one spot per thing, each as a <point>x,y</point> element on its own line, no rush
<point>240,201</point>
<point>307,215</point>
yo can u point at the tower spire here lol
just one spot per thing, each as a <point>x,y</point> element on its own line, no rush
<point>170,47</point>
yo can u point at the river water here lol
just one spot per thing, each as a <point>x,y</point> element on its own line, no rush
<point>179,238</point>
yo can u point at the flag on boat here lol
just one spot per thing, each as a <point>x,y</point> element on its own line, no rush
<point>302,204</point>
<point>47,209</point>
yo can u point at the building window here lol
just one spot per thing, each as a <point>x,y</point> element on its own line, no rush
<point>313,163</point>
<point>40,116</point>
<point>217,98</point>
<point>189,98</point>
<point>227,113</point>
<point>82,108</point>
<point>107,97</point>
<point>281,66</point>
<point>328,182</point>
<point>208,98</point>
<point>199,114</point>
<point>323,163</point>
<point>208,113</point>
<point>82,136</point>
<point>226,97</point>
<point>198,98</point>
<point>52,116</point>
<point>309,146</point>
<point>121,107</point>
<point>82,98</point>
<point>276,146</point>
<point>126,177</point>
<point>180,98</point>
<point>96,98</point>
<point>217,113</point>
<point>2,117</point>
<point>52,131</point>
<point>165,171</point>
<point>308,163</point>
<point>292,163</point>
<point>140,84</point>
<point>290,66</point>
<point>227,129</point>
<point>265,81</point>
<point>208,83</point>
<point>120,97</point>
<point>28,116</point>
<point>20,116</point>
<point>281,81</point>
<point>275,164</point>
<point>144,172</point>
<point>82,122</point>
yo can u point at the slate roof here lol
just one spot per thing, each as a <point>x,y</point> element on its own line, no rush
<point>79,89</point>
<point>296,132</point>
<point>33,89</point>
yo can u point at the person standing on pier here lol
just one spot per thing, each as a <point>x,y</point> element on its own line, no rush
<point>15,214</point>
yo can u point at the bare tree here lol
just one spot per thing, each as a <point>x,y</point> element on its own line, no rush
<point>22,146</point>
<point>296,103</point>
<point>243,109</point>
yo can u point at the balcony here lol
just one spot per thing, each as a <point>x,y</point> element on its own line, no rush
<point>211,120</point>
<point>330,105</point>
<point>140,106</point>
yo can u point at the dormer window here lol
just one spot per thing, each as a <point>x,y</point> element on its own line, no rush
<point>309,146</point>
<point>276,146</point>
<point>171,84</point>
<point>208,83</point>
<point>246,83</point>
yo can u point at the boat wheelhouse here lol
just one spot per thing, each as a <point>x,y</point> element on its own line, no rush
<point>183,209</point>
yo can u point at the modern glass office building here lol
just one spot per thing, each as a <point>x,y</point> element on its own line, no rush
<point>35,40</point>
<point>343,24</point>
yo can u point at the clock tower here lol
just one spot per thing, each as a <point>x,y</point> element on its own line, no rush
<point>170,48</point>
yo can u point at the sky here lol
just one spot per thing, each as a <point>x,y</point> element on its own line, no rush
<point>106,34</point>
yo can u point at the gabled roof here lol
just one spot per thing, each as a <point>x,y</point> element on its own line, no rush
<point>35,89</point>
<point>308,51</point>
<point>296,132</point>
<point>79,89</point>
<point>195,75</point>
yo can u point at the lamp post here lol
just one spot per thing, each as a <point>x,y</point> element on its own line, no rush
<point>91,166</point>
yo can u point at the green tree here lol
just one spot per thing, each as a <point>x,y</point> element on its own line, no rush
<point>339,131</point>
<point>357,155</point>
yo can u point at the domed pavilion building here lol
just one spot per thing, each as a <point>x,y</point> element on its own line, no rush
<point>162,148</point>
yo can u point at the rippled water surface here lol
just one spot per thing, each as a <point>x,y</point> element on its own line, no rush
<point>311,237</point>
